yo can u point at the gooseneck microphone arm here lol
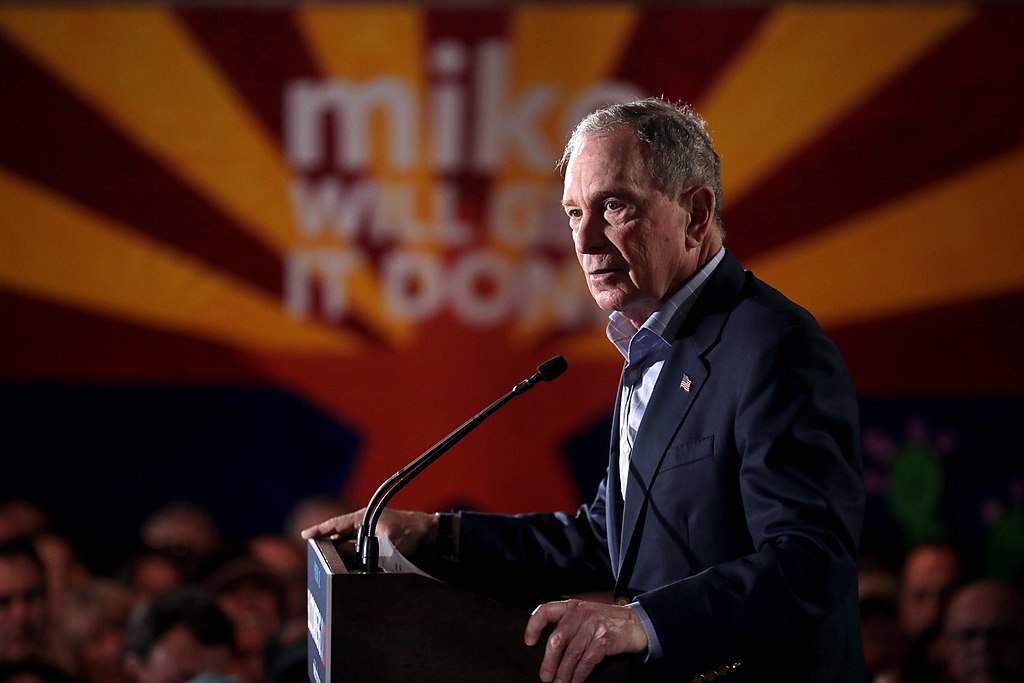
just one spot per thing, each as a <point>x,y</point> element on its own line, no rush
<point>366,540</point>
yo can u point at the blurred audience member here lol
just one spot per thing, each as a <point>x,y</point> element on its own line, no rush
<point>984,633</point>
<point>185,530</point>
<point>8,528</point>
<point>89,638</point>
<point>286,559</point>
<point>926,660</point>
<point>22,518</point>
<point>885,646</point>
<point>930,575</point>
<point>178,637</point>
<point>23,608</point>
<point>65,572</point>
<point>152,572</point>
<point>309,511</point>
<point>252,597</point>
<point>287,657</point>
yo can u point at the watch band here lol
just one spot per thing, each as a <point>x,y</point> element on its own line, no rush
<point>446,544</point>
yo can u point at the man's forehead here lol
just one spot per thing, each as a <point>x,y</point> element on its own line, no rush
<point>613,157</point>
<point>615,141</point>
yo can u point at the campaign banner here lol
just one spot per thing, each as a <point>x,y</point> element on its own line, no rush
<point>337,227</point>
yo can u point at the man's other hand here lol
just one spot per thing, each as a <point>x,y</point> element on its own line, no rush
<point>584,634</point>
<point>409,531</point>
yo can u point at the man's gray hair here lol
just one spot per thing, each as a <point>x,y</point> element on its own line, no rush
<point>677,147</point>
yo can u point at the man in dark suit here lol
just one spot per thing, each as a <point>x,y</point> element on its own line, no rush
<point>728,522</point>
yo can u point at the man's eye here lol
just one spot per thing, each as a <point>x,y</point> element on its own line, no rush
<point>574,213</point>
<point>613,205</point>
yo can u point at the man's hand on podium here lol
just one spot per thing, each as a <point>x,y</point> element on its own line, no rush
<point>584,634</point>
<point>409,531</point>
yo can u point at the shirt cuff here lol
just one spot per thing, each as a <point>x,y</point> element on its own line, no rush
<point>653,644</point>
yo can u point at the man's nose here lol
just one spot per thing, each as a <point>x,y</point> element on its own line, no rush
<point>589,235</point>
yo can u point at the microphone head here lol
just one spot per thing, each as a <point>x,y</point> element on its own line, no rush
<point>552,368</point>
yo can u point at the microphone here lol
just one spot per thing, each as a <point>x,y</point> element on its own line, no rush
<point>546,371</point>
<point>366,539</point>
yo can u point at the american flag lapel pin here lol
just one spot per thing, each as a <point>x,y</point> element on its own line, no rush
<point>686,383</point>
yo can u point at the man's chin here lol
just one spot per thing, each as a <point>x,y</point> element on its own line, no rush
<point>610,299</point>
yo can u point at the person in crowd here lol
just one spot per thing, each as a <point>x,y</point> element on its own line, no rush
<point>149,572</point>
<point>20,518</point>
<point>23,607</point>
<point>65,571</point>
<point>8,528</point>
<point>187,531</point>
<point>983,632</point>
<point>930,574</point>
<point>285,558</point>
<point>179,636</point>
<point>885,646</point>
<point>90,633</point>
<point>728,522</point>
<point>253,598</point>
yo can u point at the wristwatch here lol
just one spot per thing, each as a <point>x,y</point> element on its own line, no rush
<point>446,544</point>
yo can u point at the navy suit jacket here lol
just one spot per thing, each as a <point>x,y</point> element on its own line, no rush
<point>739,530</point>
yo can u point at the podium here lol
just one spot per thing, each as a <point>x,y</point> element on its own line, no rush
<point>406,627</point>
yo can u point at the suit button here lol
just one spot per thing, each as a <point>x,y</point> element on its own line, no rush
<point>621,602</point>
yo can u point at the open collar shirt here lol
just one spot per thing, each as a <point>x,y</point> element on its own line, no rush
<point>645,351</point>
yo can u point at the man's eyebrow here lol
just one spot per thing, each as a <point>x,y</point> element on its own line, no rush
<point>598,197</point>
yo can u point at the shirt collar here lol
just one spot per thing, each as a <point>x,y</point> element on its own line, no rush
<point>661,327</point>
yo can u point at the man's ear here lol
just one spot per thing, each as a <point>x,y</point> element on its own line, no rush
<point>700,203</point>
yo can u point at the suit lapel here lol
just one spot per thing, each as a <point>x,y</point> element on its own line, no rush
<point>613,510</point>
<point>665,414</point>
<point>685,368</point>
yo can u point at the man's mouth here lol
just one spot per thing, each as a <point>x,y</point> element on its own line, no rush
<point>601,272</point>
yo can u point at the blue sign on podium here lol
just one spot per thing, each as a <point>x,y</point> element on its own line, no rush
<point>319,570</point>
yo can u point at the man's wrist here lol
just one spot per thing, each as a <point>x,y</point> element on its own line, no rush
<point>653,650</point>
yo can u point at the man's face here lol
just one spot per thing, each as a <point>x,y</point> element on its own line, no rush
<point>929,577</point>
<point>984,632</point>
<point>254,615</point>
<point>22,609</point>
<point>629,236</point>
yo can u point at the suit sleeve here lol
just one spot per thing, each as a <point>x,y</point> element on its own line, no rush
<point>536,557</point>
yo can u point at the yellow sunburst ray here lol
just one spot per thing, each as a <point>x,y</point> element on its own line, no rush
<point>806,67</point>
<point>952,242</point>
<point>542,48</point>
<point>54,249</point>
<point>136,66</point>
<point>540,55</point>
<point>140,68</point>
<point>359,42</point>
